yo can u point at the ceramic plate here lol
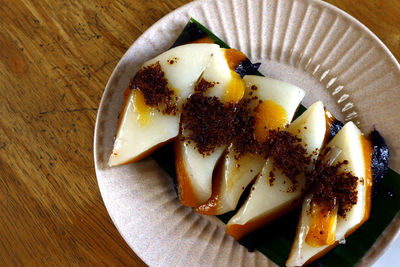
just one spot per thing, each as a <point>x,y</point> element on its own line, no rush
<point>311,44</point>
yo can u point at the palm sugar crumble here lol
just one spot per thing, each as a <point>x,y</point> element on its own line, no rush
<point>150,80</point>
<point>172,60</point>
<point>245,141</point>
<point>271,178</point>
<point>288,154</point>
<point>330,186</point>
<point>210,122</point>
<point>204,85</point>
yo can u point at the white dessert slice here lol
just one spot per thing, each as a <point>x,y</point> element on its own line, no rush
<point>357,151</point>
<point>273,193</point>
<point>194,170</point>
<point>280,101</point>
<point>142,128</point>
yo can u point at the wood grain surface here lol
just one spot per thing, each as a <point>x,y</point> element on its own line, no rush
<point>55,59</point>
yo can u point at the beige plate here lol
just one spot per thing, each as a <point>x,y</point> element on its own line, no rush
<point>308,43</point>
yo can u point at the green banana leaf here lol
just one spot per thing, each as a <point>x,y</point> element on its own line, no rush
<point>275,239</point>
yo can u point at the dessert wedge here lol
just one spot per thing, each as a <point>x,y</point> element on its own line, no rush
<point>273,106</point>
<point>280,185</point>
<point>153,100</point>
<point>201,144</point>
<point>330,215</point>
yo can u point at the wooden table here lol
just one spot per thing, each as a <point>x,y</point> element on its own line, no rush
<point>55,59</point>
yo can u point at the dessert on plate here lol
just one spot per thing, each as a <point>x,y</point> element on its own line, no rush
<point>232,129</point>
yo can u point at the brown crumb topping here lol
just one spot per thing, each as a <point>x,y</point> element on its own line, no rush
<point>203,86</point>
<point>172,60</point>
<point>152,83</point>
<point>271,178</point>
<point>210,122</point>
<point>245,141</point>
<point>288,154</point>
<point>331,187</point>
